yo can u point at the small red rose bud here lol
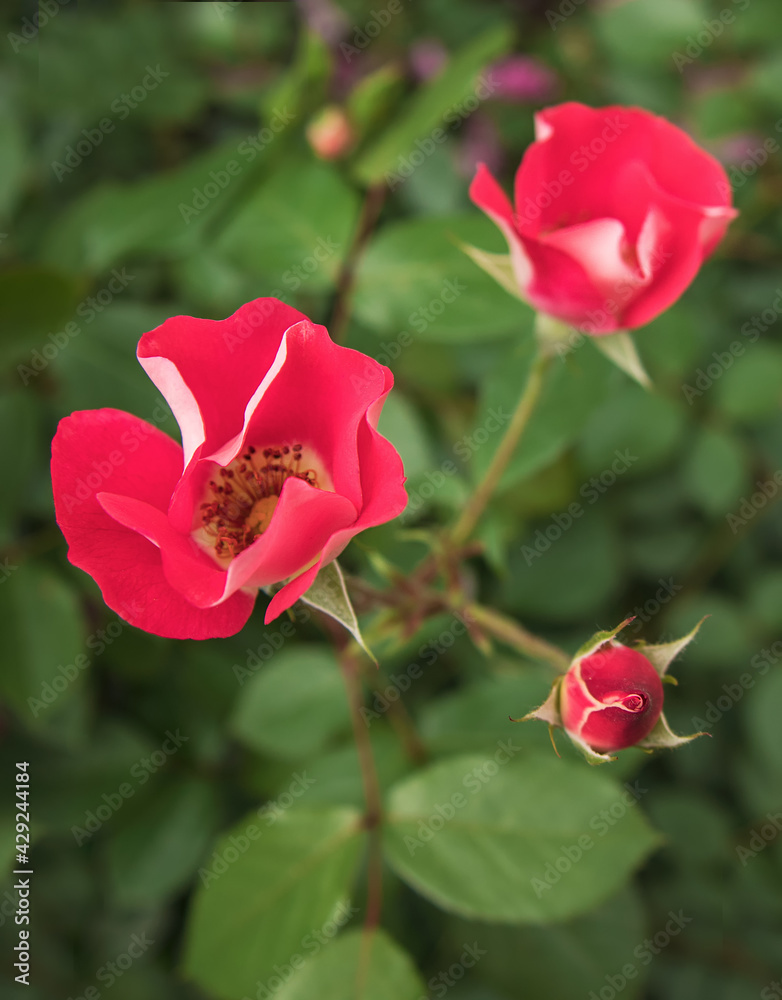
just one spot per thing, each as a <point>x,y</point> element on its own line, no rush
<point>330,133</point>
<point>611,699</point>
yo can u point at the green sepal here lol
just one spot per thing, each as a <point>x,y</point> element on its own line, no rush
<point>662,737</point>
<point>599,639</point>
<point>661,656</point>
<point>621,350</point>
<point>497,265</point>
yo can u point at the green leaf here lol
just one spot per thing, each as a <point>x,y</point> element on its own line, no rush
<point>371,100</point>
<point>565,961</point>
<point>157,217</point>
<point>329,594</point>
<point>13,154</point>
<point>750,390</point>
<point>761,720</point>
<point>401,423</point>
<point>41,671</point>
<point>715,475</point>
<point>157,851</point>
<point>363,967</point>
<point>475,718</point>
<point>490,840</point>
<point>294,706</point>
<point>647,32</point>
<point>21,452</point>
<point>620,348</point>
<point>648,427</point>
<point>295,229</point>
<point>415,277</point>
<point>302,87</point>
<point>274,889</point>
<point>434,105</point>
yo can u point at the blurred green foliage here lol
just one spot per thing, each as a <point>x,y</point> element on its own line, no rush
<point>161,149</point>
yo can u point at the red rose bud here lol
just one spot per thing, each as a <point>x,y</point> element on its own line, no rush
<point>330,134</point>
<point>611,699</point>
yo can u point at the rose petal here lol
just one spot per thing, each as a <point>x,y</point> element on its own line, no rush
<point>99,451</point>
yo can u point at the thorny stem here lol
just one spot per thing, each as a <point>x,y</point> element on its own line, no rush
<point>524,408</point>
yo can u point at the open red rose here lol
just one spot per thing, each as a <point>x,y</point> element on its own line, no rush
<point>280,466</point>
<point>612,699</point>
<point>615,210</point>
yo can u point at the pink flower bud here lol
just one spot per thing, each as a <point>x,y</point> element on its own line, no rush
<point>611,699</point>
<point>330,134</point>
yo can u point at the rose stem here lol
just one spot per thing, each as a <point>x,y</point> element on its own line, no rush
<point>370,212</point>
<point>524,408</point>
<point>510,632</point>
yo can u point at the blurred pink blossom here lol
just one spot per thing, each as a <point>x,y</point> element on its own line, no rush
<point>522,78</point>
<point>427,58</point>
